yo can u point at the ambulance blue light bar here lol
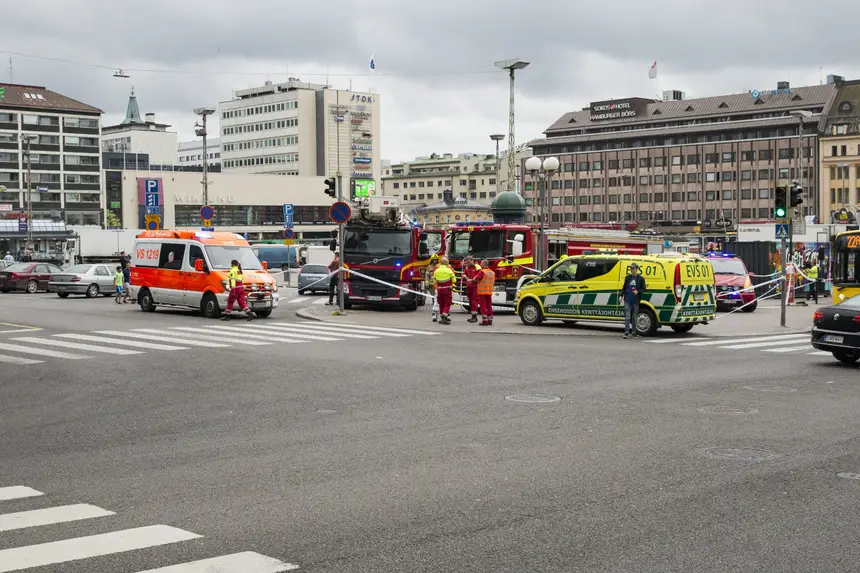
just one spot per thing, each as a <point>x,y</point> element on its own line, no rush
<point>720,255</point>
<point>473,223</point>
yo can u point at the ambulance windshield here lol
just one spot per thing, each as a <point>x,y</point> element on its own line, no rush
<point>220,257</point>
<point>480,244</point>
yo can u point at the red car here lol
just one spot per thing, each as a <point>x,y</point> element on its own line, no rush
<point>28,277</point>
<point>732,281</point>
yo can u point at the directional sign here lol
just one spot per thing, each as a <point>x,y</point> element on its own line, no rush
<point>22,224</point>
<point>340,212</point>
<point>208,229</point>
<point>289,242</point>
<point>289,233</point>
<point>207,212</point>
<point>288,216</point>
<point>782,231</point>
<point>152,199</point>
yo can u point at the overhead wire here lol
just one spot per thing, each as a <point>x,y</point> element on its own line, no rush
<point>244,73</point>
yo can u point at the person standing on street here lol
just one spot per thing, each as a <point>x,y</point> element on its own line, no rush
<point>430,284</point>
<point>332,283</point>
<point>634,286</point>
<point>8,258</point>
<point>124,263</point>
<point>484,292</point>
<point>471,275</point>
<point>237,291</point>
<point>812,287</point>
<point>117,282</point>
<point>445,280</point>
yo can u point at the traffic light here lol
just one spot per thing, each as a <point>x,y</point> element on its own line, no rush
<point>796,195</point>
<point>780,208</point>
<point>331,187</point>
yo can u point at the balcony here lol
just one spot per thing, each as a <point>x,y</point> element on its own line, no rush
<point>80,130</point>
<point>41,128</point>
<point>9,165</point>
<point>81,168</point>
<point>9,145</point>
<point>11,126</point>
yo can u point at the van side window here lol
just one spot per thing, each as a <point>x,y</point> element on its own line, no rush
<point>171,256</point>
<point>566,271</point>
<point>592,268</point>
<point>195,253</point>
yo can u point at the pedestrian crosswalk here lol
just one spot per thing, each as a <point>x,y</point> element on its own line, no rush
<point>66,549</point>
<point>798,343</point>
<point>30,350</point>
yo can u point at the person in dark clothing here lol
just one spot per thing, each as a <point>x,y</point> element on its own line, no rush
<point>634,286</point>
<point>332,283</point>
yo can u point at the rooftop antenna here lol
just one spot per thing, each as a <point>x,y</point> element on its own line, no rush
<point>10,69</point>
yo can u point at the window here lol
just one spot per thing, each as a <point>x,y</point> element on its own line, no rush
<point>595,183</point>
<point>659,161</point>
<point>644,162</point>
<point>583,183</point>
<point>676,178</point>
<point>643,197</point>
<point>787,153</point>
<point>728,157</point>
<point>692,177</point>
<point>628,198</point>
<point>8,117</point>
<point>746,175</point>
<point>764,194</point>
<point>627,163</point>
<point>644,180</point>
<point>596,165</point>
<point>728,194</point>
<point>613,181</point>
<point>583,165</point>
<point>693,159</point>
<point>728,176</point>
<point>764,174</point>
<point>710,195</point>
<point>613,163</point>
<point>659,179</point>
<point>765,155</point>
<point>746,193</point>
<point>710,176</point>
<point>677,214</point>
<point>589,269</point>
<point>844,150</point>
<point>677,160</point>
<point>712,158</point>
<point>747,155</point>
<point>692,214</point>
<point>693,196</point>
<point>676,196</point>
<point>783,173</point>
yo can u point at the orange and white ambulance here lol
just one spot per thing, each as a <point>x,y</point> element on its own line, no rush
<point>188,269</point>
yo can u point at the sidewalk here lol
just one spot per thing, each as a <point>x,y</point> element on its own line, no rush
<point>764,321</point>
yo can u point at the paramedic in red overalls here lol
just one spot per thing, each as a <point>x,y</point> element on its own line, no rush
<point>471,276</point>
<point>237,291</point>
<point>445,281</point>
<point>485,293</point>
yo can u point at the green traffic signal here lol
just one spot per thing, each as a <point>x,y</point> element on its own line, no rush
<point>780,213</point>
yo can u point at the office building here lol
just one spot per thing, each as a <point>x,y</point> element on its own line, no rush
<point>189,154</point>
<point>698,164</point>
<point>301,129</point>
<point>140,135</point>
<point>840,154</point>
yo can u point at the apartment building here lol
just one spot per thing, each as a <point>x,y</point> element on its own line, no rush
<point>65,155</point>
<point>301,129</point>
<point>140,135</point>
<point>840,154</point>
<point>702,163</point>
<point>190,153</point>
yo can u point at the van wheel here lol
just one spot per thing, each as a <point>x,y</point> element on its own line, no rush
<point>682,327</point>
<point>209,306</point>
<point>646,322</point>
<point>530,313</point>
<point>751,307</point>
<point>569,322</point>
<point>846,357</point>
<point>263,313</point>
<point>144,298</point>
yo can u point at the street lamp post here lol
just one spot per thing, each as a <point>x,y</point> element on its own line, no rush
<point>800,114</point>
<point>512,66</point>
<point>542,173</point>
<point>497,137</point>
<point>27,139</point>
<point>200,130</point>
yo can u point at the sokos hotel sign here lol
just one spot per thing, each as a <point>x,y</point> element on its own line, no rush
<point>616,109</point>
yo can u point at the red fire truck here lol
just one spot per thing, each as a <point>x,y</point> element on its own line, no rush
<point>510,250</point>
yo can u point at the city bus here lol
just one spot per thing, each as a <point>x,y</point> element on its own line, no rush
<point>846,265</point>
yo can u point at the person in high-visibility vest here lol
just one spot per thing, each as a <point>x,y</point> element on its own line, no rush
<point>485,292</point>
<point>471,276</point>
<point>430,284</point>
<point>445,280</point>
<point>236,281</point>
<point>812,287</point>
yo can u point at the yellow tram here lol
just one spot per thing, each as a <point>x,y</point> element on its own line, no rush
<point>846,265</point>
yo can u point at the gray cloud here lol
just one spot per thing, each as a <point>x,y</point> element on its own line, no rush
<point>580,52</point>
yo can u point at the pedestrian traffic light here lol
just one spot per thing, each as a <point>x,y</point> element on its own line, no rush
<point>796,195</point>
<point>331,187</point>
<point>780,208</point>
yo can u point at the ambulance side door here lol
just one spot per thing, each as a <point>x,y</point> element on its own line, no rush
<point>194,281</point>
<point>598,292</point>
<point>561,289</point>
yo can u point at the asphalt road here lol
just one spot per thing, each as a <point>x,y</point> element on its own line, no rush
<point>403,454</point>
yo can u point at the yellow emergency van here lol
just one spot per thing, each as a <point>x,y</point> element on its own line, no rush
<point>679,291</point>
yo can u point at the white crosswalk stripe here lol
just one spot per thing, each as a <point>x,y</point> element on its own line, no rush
<point>771,344</point>
<point>290,331</point>
<point>126,541</point>
<point>75,346</point>
<point>136,344</point>
<point>18,360</point>
<point>157,338</point>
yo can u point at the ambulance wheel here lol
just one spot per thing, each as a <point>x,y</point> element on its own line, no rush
<point>569,322</point>
<point>646,322</point>
<point>209,306</point>
<point>751,307</point>
<point>144,298</point>
<point>682,327</point>
<point>530,313</point>
<point>263,313</point>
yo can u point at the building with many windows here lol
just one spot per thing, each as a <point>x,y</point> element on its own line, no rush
<point>840,155</point>
<point>301,129</point>
<point>136,135</point>
<point>189,154</point>
<point>65,155</point>
<point>699,163</point>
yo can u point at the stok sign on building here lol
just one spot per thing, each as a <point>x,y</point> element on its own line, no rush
<point>617,109</point>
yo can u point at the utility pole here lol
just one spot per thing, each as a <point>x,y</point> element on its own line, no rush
<point>340,235</point>
<point>27,139</point>
<point>201,131</point>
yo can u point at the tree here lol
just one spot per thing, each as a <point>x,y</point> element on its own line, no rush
<point>113,221</point>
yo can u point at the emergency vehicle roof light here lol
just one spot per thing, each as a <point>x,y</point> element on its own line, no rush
<point>719,254</point>
<point>203,235</point>
<point>473,223</point>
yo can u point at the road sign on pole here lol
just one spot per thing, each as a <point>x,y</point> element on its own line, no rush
<point>340,212</point>
<point>206,213</point>
<point>288,216</point>
<point>782,231</point>
<point>289,234</point>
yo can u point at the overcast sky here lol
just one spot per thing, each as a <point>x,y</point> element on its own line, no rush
<point>434,60</point>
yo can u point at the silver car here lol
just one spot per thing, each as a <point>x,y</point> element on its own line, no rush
<point>89,280</point>
<point>312,278</point>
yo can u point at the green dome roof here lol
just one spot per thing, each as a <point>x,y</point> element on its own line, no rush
<point>508,203</point>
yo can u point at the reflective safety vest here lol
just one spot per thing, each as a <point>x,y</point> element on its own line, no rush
<point>444,277</point>
<point>485,286</point>
<point>235,277</point>
<point>812,272</point>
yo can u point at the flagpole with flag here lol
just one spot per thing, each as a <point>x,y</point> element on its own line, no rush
<point>652,75</point>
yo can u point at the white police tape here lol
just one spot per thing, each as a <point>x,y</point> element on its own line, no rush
<point>399,287</point>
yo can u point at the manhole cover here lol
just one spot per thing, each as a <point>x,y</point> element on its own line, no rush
<point>533,398</point>
<point>768,388</point>
<point>848,475</point>
<point>730,410</point>
<point>741,454</point>
<point>326,411</point>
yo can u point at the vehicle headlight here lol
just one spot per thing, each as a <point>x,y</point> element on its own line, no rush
<point>255,287</point>
<point>226,285</point>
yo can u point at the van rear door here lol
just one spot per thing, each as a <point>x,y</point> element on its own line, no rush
<point>694,282</point>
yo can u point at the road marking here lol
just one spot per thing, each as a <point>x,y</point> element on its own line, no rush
<point>246,562</point>
<point>199,336</point>
<point>820,353</point>
<point>337,329</point>
<point>41,352</point>
<point>762,344</point>
<point>377,328</point>
<point>19,330</point>
<point>18,492</point>
<point>677,340</point>
<point>17,360</point>
<point>61,514</point>
<point>148,345</point>
<point>285,330</point>
<point>250,332</point>
<point>92,546</point>
<point>755,339</point>
<point>320,300</point>
<point>75,346</point>
<point>24,326</point>
<point>792,349</point>
<point>298,300</point>
<point>157,338</point>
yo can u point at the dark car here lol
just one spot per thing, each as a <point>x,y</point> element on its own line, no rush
<point>28,277</point>
<point>312,278</point>
<point>836,329</point>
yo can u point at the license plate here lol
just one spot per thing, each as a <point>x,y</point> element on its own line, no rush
<point>259,305</point>
<point>698,297</point>
<point>833,338</point>
<point>374,298</point>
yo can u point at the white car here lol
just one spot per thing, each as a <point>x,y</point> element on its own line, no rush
<point>88,280</point>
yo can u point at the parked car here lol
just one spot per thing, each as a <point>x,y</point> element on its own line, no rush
<point>4,264</point>
<point>836,329</point>
<point>311,279</point>
<point>28,277</point>
<point>90,280</point>
<point>733,283</point>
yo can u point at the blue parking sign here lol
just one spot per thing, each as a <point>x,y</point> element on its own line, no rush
<point>288,216</point>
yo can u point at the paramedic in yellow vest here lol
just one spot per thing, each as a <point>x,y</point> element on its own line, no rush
<point>812,287</point>
<point>445,280</point>
<point>237,291</point>
<point>486,282</point>
<point>430,284</point>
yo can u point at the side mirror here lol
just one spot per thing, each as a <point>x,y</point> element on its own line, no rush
<point>517,248</point>
<point>198,265</point>
<point>423,250</point>
<point>265,265</point>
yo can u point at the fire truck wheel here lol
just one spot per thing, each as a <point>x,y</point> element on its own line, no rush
<point>530,313</point>
<point>412,306</point>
